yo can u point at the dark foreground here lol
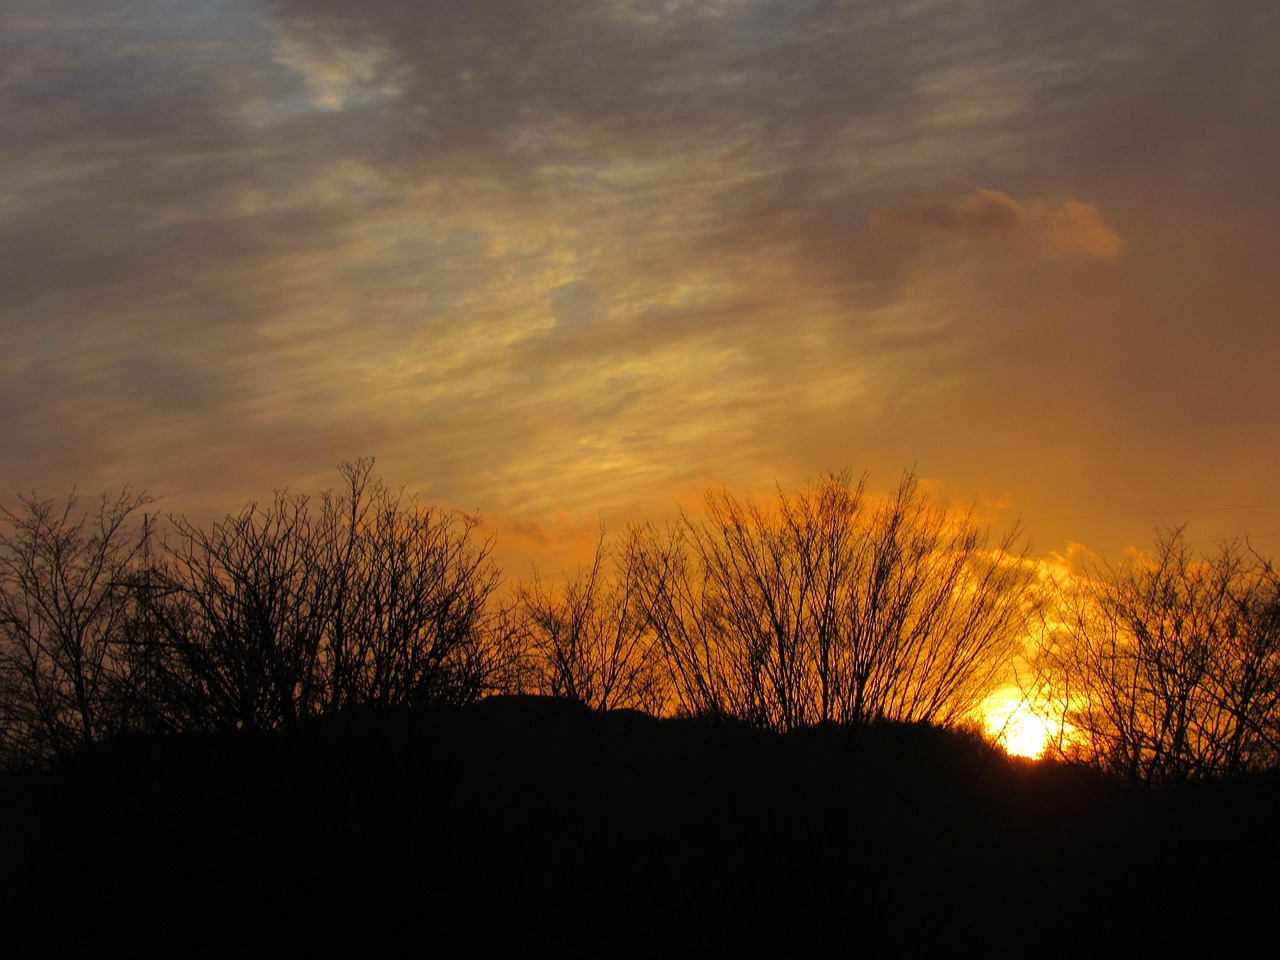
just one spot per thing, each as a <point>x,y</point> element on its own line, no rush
<point>523,823</point>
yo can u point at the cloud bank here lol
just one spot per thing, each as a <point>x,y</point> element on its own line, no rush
<point>576,259</point>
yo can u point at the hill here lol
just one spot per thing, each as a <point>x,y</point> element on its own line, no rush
<point>520,821</point>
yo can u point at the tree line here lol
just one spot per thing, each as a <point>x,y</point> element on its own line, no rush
<point>828,605</point>
<point>298,609</point>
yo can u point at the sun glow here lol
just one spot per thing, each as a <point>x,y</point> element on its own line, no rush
<point>1010,721</point>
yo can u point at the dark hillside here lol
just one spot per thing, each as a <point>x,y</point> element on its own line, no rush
<point>526,820</point>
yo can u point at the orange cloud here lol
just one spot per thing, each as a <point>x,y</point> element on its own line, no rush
<point>1074,229</point>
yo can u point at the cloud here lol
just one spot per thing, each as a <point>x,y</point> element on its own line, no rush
<point>1072,229</point>
<point>566,254</point>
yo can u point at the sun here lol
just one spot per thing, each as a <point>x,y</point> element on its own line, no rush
<point>1009,721</point>
<point>1026,736</point>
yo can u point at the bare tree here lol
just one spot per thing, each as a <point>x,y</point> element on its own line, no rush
<point>243,616</point>
<point>64,605</point>
<point>1167,667</point>
<point>290,611</point>
<point>829,607</point>
<point>589,640</point>
<point>937,613</point>
<point>411,587</point>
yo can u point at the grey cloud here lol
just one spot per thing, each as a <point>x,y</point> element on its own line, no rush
<point>499,240</point>
<point>1074,229</point>
<point>984,210</point>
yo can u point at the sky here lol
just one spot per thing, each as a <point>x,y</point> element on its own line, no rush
<point>566,263</point>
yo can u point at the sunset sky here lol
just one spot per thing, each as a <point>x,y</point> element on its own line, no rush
<point>563,262</point>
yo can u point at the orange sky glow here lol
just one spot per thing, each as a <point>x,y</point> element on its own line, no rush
<point>565,263</point>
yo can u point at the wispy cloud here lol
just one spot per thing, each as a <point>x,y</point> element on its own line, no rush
<point>1072,229</point>
<point>564,259</point>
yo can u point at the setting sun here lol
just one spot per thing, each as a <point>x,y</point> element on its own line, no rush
<point>1009,721</point>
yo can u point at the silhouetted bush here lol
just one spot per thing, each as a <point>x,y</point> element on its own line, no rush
<point>590,640</point>
<point>278,614</point>
<point>1168,666</point>
<point>298,610</point>
<point>65,612</point>
<point>831,607</point>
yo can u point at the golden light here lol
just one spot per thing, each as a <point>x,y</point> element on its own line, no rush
<point>1009,721</point>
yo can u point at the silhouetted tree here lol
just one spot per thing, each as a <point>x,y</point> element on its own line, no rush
<point>410,600</point>
<point>243,615</point>
<point>1167,667</point>
<point>65,601</point>
<point>589,641</point>
<point>290,611</point>
<point>833,607</point>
